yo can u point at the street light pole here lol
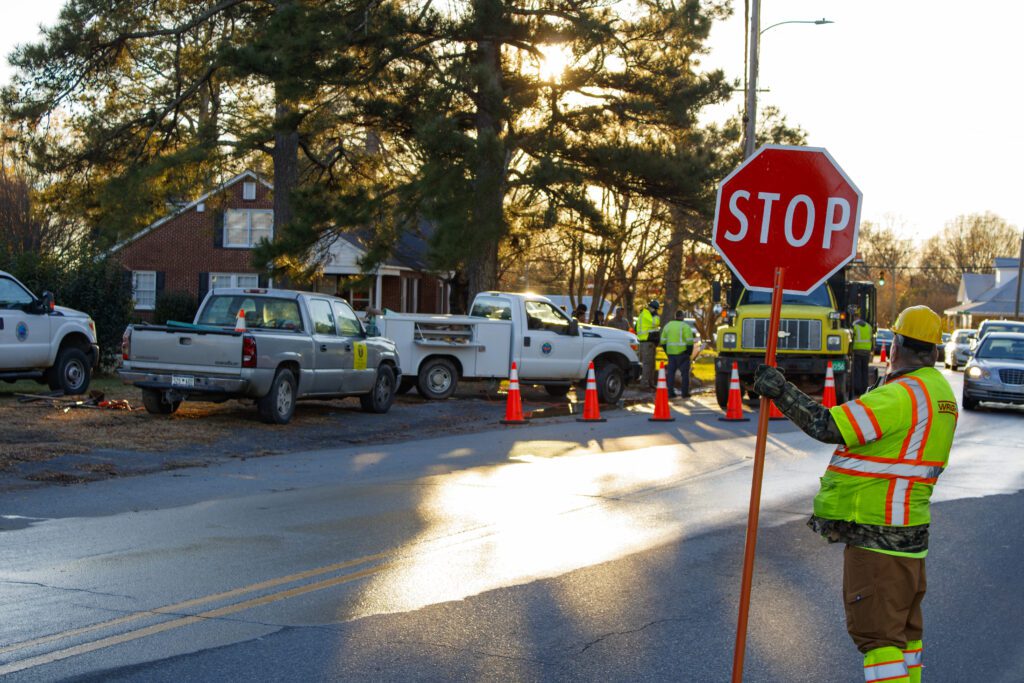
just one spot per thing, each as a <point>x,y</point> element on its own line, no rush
<point>755,31</point>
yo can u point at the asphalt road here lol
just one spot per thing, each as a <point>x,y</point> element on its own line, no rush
<point>553,552</point>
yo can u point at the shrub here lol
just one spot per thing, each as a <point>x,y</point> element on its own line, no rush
<point>176,305</point>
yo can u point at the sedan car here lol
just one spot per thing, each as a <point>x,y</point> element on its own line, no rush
<point>956,351</point>
<point>996,372</point>
<point>999,326</point>
<point>883,340</point>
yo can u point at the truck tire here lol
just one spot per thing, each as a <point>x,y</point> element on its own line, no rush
<point>382,395</point>
<point>722,388</point>
<point>71,373</point>
<point>557,390</point>
<point>437,379</point>
<point>405,385</point>
<point>278,406</point>
<point>611,383</point>
<point>155,404</point>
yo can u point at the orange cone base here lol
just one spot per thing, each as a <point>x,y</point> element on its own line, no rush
<point>775,414</point>
<point>591,419</point>
<point>734,419</point>
<point>514,422</point>
<point>661,419</point>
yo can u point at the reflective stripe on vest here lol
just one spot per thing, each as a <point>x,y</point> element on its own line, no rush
<point>902,475</point>
<point>863,421</point>
<point>912,658</point>
<point>885,671</point>
<point>921,411</point>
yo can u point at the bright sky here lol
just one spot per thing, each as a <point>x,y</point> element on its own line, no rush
<point>917,100</point>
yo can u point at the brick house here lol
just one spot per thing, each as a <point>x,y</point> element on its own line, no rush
<point>208,243</point>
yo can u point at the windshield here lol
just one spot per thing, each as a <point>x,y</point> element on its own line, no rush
<point>261,313</point>
<point>964,337</point>
<point>817,297</point>
<point>884,334</point>
<point>1003,327</point>
<point>1004,348</point>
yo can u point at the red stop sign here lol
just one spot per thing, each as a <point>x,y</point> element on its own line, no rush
<point>791,207</point>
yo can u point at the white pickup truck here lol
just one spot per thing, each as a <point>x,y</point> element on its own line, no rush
<point>549,347</point>
<point>50,344</point>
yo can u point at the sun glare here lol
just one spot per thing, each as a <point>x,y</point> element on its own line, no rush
<point>554,62</point>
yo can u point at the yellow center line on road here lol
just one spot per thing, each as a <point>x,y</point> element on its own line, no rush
<point>129,636</point>
<point>177,607</point>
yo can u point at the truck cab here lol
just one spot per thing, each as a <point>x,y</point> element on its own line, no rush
<point>814,329</point>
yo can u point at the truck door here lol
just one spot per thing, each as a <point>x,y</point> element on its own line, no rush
<point>549,351</point>
<point>333,352</point>
<point>358,370</point>
<point>24,334</point>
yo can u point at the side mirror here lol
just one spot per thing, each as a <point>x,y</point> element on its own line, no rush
<point>574,328</point>
<point>46,303</point>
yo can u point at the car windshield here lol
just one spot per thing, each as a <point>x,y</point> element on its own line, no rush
<point>1004,327</point>
<point>816,297</point>
<point>1001,348</point>
<point>964,337</point>
<point>884,334</point>
<point>264,313</point>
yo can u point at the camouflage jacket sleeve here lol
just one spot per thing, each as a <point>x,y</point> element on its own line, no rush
<point>809,415</point>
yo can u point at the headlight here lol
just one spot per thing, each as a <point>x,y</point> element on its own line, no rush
<point>729,340</point>
<point>977,372</point>
<point>834,343</point>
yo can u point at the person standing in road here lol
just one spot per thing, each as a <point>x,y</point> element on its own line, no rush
<point>677,338</point>
<point>893,443</point>
<point>619,320</point>
<point>598,318</point>
<point>648,329</point>
<point>580,313</point>
<point>862,346</point>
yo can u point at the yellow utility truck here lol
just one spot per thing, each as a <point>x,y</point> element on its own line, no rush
<point>814,329</point>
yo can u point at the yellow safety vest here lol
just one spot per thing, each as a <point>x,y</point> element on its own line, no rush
<point>898,438</point>
<point>861,337</point>
<point>646,323</point>
<point>676,336</point>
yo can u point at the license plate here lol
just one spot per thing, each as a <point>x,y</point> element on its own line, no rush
<point>838,365</point>
<point>188,382</point>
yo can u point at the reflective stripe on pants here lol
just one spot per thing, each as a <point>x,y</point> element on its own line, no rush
<point>885,664</point>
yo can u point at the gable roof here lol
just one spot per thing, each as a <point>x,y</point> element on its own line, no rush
<point>187,207</point>
<point>974,285</point>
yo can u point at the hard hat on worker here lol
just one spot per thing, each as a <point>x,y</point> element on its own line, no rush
<point>920,323</point>
<point>653,303</point>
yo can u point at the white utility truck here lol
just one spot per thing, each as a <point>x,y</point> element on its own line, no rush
<point>548,347</point>
<point>51,344</point>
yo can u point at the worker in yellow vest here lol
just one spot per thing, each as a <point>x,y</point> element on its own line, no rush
<point>893,443</point>
<point>862,352</point>
<point>677,338</point>
<point>648,329</point>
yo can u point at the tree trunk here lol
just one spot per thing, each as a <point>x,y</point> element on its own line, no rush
<point>674,270</point>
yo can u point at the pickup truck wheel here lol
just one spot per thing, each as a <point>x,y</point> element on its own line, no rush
<point>155,403</point>
<point>722,388</point>
<point>437,379</point>
<point>71,372</point>
<point>557,390</point>
<point>278,406</point>
<point>611,383</point>
<point>382,395</point>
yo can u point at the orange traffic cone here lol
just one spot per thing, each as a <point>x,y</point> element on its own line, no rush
<point>661,412</point>
<point>828,397</point>
<point>514,403</point>
<point>774,413</point>
<point>591,413</point>
<point>883,357</point>
<point>240,320</point>
<point>734,409</point>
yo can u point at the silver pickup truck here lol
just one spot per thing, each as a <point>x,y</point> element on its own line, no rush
<point>274,346</point>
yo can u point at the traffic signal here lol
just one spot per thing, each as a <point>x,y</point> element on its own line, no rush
<point>881,278</point>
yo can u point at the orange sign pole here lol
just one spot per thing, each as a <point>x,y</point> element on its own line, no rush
<point>755,488</point>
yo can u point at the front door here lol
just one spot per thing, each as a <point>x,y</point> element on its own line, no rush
<point>361,370</point>
<point>333,352</point>
<point>24,334</point>
<point>549,351</point>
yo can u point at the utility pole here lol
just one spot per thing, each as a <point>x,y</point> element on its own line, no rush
<point>750,118</point>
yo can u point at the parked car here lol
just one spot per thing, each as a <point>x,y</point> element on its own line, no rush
<point>883,340</point>
<point>51,344</point>
<point>956,352</point>
<point>287,346</point>
<point>999,326</point>
<point>946,336</point>
<point>996,371</point>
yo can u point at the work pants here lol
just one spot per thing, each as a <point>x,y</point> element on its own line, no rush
<point>678,363</point>
<point>647,352</point>
<point>861,362</point>
<point>882,595</point>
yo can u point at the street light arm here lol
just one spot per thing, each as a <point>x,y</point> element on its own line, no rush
<point>818,22</point>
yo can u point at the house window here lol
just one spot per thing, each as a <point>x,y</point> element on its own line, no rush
<point>220,280</point>
<point>248,191</point>
<point>144,289</point>
<point>355,290</point>
<point>245,228</point>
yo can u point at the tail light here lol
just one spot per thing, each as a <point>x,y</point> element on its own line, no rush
<point>248,352</point>
<point>126,344</point>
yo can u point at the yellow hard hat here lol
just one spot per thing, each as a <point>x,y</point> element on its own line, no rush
<point>921,323</point>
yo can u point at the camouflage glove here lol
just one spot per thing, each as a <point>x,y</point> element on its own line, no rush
<point>769,381</point>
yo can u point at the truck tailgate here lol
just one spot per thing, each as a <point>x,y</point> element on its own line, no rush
<point>169,349</point>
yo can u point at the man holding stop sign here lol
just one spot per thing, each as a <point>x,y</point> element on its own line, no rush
<point>786,220</point>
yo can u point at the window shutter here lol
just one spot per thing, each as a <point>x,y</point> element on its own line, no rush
<point>264,280</point>
<point>159,282</point>
<point>204,286</point>
<point>129,280</point>
<point>218,228</point>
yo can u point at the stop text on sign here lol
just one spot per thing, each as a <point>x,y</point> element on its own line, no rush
<point>800,220</point>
